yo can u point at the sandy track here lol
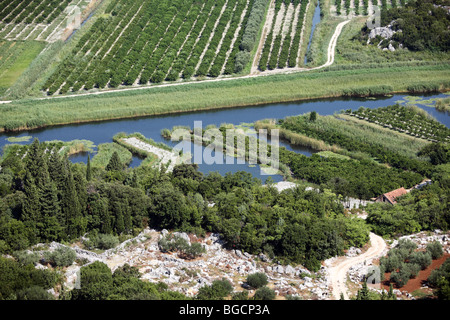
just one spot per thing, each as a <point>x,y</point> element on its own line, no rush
<point>338,272</point>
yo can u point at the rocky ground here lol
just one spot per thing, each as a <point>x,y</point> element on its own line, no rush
<point>187,276</point>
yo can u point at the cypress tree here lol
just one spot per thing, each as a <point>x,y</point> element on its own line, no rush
<point>36,164</point>
<point>114,163</point>
<point>88,169</point>
<point>31,207</point>
<point>70,206</point>
<point>119,221</point>
<point>49,201</point>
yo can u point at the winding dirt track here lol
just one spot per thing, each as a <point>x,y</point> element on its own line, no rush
<point>338,272</point>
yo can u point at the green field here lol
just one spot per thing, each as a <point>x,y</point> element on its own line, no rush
<point>15,57</point>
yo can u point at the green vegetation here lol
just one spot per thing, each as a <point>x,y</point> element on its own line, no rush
<point>423,209</point>
<point>61,257</point>
<point>172,243</point>
<point>99,283</point>
<point>19,139</point>
<point>257,280</point>
<point>208,95</point>
<point>31,11</point>
<point>417,25</point>
<point>408,119</point>
<point>404,262</point>
<point>354,153</point>
<point>218,290</point>
<point>424,25</point>
<point>439,279</point>
<point>165,41</point>
<point>18,282</point>
<point>15,57</point>
<point>55,205</point>
<point>106,152</point>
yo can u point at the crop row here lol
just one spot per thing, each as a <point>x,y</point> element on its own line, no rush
<point>279,51</point>
<point>29,11</point>
<point>152,41</point>
<point>410,120</point>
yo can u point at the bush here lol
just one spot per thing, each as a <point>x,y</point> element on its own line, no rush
<point>437,274</point>
<point>423,259</point>
<point>400,278</point>
<point>102,241</point>
<point>264,293</point>
<point>218,290</point>
<point>435,250</point>
<point>34,293</point>
<point>26,258</point>
<point>241,295</point>
<point>257,280</point>
<point>61,257</point>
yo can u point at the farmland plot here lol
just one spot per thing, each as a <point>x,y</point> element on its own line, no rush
<point>42,20</point>
<point>282,43</point>
<point>362,7</point>
<point>149,42</point>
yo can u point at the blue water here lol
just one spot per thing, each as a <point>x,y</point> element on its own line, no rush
<point>102,132</point>
<point>316,20</point>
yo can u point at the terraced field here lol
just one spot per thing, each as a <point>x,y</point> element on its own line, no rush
<point>153,41</point>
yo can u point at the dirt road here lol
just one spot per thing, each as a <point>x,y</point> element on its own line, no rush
<point>340,267</point>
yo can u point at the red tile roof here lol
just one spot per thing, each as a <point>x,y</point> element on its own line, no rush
<point>391,196</point>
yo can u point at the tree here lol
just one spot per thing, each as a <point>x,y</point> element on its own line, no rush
<point>61,257</point>
<point>96,282</point>
<point>218,290</point>
<point>420,258</point>
<point>114,163</point>
<point>257,280</point>
<point>435,250</point>
<point>88,169</point>
<point>264,293</point>
<point>313,116</point>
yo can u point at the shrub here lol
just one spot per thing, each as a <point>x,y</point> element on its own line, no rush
<point>437,274</point>
<point>423,259</point>
<point>400,278</point>
<point>218,290</point>
<point>264,293</point>
<point>26,258</point>
<point>34,293</point>
<point>61,257</point>
<point>257,280</point>
<point>241,295</point>
<point>102,241</point>
<point>435,250</point>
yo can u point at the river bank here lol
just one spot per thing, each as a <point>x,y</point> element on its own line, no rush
<point>29,114</point>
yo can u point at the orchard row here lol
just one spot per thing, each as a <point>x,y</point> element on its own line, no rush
<point>155,41</point>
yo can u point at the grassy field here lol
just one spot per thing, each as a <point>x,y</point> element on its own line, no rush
<point>23,114</point>
<point>15,57</point>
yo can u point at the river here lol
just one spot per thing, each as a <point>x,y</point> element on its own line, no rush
<point>102,132</point>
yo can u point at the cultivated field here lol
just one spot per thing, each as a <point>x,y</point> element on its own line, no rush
<point>284,25</point>
<point>42,20</point>
<point>154,41</point>
<point>14,59</point>
<point>362,7</point>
